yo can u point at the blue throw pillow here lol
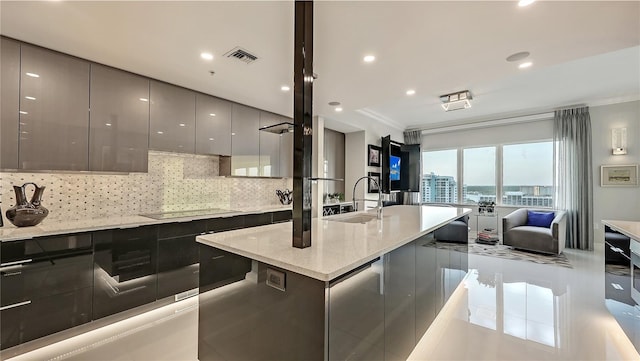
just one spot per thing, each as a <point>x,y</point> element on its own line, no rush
<point>540,219</point>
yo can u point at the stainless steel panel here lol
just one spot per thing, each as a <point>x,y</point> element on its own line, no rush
<point>213,125</point>
<point>286,155</point>
<point>172,125</point>
<point>245,141</point>
<point>54,125</point>
<point>9,102</point>
<point>119,121</point>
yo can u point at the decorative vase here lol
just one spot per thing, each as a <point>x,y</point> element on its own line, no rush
<point>25,213</point>
<point>284,196</point>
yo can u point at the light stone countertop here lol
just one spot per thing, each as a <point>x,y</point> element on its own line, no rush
<point>51,227</point>
<point>628,228</point>
<point>336,247</point>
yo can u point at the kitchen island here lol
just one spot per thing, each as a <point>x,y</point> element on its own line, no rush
<point>366,289</point>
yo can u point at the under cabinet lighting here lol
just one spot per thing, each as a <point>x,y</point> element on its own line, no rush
<point>144,99</point>
<point>33,75</point>
<point>30,98</point>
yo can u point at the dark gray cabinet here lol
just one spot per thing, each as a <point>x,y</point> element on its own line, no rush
<point>9,102</point>
<point>245,141</point>
<point>356,317</point>
<point>178,263</point>
<point>172,118</point>
<point>213,125</point>
<point>124,269</point>
<point>269,146</point>
<point>45,286</point>
<point>119,122</point>
<point>54,116</point>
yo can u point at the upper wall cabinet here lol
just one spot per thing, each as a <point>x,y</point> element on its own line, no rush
<point>54,111</point>
<point>269,146</point>
<point>172,118</point>
<point>119,125</point>
<point>245,148</point>
<point>213,125</point>
<point>9,102</point>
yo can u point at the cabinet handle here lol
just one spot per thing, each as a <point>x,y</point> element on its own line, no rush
<point>15,305</point>
<point>16,262</point>
<point>7,274</point>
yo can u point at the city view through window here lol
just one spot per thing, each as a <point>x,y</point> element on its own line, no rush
<point>527,175</point>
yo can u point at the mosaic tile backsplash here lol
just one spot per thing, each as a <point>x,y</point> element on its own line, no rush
<point>173,182</point>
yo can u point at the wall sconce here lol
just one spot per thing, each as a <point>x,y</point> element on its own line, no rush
<point>619,141</point>
<point>456,101</point>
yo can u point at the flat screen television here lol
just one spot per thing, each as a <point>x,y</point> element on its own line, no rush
<point>394,168</point>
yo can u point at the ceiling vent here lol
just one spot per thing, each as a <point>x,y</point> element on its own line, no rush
<point>456,101</point>
<point>241,54</point>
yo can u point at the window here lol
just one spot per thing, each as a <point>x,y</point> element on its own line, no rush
<point>527,174</point>
<point>439,178</point>
<point>479,175</point>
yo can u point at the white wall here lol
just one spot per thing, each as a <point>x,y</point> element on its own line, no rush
<point>610,202</point>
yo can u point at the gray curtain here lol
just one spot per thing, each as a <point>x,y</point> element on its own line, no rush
<point>574,175</point>
<point>412,137</point>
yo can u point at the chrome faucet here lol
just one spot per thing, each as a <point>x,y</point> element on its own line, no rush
<point>379,207</point>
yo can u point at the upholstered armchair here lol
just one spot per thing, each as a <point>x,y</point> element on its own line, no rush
<point>456,231</point>
<point>535,230</point>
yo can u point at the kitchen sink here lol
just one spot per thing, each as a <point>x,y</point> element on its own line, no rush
<point>353,218</point>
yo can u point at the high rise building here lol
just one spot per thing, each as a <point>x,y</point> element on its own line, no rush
<point>439,189</point>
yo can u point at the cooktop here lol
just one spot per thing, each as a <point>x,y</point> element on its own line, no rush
<point>191,213</point>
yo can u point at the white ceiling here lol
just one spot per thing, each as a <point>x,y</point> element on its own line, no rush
<point>584,52</point>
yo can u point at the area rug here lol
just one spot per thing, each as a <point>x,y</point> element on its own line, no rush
<point>506,252</point>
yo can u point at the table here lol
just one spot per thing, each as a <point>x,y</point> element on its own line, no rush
<point>491,232</point>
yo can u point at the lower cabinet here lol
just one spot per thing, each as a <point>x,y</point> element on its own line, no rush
<point>221,267</point>
<point>178,262</point>
<point>124,269</point>
<point>45,287</point>
<point>49,284</point>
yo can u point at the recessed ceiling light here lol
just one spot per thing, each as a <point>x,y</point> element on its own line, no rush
<point>33,75</point>
<point>160,132</point>
<point>30,98</point>
<point>212,114</point>
<point>518,56</point>
<point>206,56</point>
<point>144,99</point>
<point>233,133</point>
<point>23,112</point>
<point>107,124</point>
<point>285,88</point>
<point>525,65</point>
<point>210,138</point>
<point>522,3</point>
<point>411,92</point>
<point>369,58</point>
<point>338,109</point>
<point>182,124</point>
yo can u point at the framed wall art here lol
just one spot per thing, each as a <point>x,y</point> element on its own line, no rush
<point>372,186</point>
<point>373,155</point>
<point>619,175</point>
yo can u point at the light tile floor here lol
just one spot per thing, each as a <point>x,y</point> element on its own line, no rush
<point>503,310</point>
